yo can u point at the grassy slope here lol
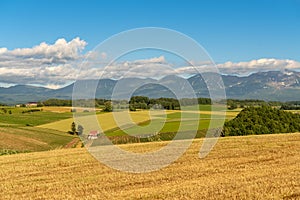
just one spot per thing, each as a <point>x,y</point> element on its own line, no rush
<point>32,139</point>
<point>249,167</point>
<point>16,135</point>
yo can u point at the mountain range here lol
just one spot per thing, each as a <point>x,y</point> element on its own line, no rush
<point>269,85</point>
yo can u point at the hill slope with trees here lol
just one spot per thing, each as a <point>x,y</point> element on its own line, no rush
<point>262,120</point>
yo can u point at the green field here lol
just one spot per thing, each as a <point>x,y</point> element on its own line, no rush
<point>168,126</point>
<point>30,118</point>
<point>27,139</point>
<point>157,122</point>
<point>48,128</point>
<point>18,131</point>
<point>187,120</point>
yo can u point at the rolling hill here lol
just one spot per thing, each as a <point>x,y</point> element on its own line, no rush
<point>249,167</point>
<point>29,139</point>
<point>18,131</point>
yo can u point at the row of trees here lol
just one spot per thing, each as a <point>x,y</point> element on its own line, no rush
<point>56,102</point>
<point>262,120</point>
<point>292,105</point>
<point>139,102</point>
<point>242,103</point>
<point>79,102</point>
<point>142,102</point>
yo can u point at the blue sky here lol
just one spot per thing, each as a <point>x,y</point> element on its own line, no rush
<point>242,36</point>
<point>229,30</point>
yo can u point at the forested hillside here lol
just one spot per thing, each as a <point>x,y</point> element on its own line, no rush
<point>262,120</point>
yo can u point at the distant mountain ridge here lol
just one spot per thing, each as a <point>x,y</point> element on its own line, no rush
<point>270,85</point>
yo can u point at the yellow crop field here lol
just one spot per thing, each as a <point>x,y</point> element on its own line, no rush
<point>61,109</point>
<point>58,109</point>
<point>107,120</point>
<point>250,167</point>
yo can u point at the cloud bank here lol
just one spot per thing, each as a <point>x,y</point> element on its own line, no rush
<point>264,64</point>
<point>54,65</point>
<point>44,64</point>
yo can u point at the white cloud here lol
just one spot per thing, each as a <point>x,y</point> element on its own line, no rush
<point>60,50</point>
<point>44,64</point>
<point>160,59</point>
<point>52,86</point>
<point>3,50</point>
<point>55,65</point>
<point>145,68</point>
<point>243,68</point>
<point>264,64</point>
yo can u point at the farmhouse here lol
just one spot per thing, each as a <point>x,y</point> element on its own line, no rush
<point>93,135</point>
<point>31,104</point>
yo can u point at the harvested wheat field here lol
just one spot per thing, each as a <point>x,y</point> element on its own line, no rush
<point>250,167</point>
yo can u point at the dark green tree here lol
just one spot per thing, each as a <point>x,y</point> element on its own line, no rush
<point>232,106</point>
<point>73,128</point>
<point>108,106</point>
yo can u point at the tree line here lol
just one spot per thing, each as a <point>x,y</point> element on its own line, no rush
<point>292,105</point>
<point>135,102</point>
<point>243,103</point>
<point>143,102</point>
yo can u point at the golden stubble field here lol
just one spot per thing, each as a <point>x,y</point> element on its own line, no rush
<point>250,167</point>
